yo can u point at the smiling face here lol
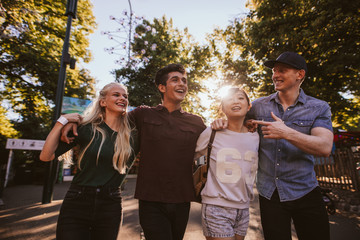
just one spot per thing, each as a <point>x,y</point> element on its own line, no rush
<point>286,77</point>
<point>235,104</point>
<point>115,100</point>
<point>175,89</point>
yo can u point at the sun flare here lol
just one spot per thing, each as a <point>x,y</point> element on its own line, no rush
<point>223,91</point>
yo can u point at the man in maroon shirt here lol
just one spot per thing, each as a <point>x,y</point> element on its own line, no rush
<point>167,137</point>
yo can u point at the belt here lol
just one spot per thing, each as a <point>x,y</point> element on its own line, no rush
<point>93,189</point>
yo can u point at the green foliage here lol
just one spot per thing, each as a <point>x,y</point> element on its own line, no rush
<point>6,127</point>
<point>31,41</point>
<point>32,35</point>
<point>325,32</point>
<point>7,130</point>
<point>173,46</point>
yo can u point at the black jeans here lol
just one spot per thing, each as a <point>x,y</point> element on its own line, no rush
<point>163,221</point>
<point>90,213</point>
<point>308,214</point>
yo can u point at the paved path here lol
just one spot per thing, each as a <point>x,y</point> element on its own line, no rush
<point>24,217</point>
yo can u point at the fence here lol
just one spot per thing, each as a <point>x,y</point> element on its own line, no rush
<point>339,170</point>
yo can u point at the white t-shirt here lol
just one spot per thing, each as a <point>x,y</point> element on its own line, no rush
<point>233,166</point>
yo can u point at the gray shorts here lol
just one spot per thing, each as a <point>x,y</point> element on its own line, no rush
<point>222,222</point>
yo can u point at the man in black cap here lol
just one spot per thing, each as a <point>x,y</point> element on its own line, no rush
<point>293,127</point>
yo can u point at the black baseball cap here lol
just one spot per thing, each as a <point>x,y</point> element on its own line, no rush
<point>290,58</point>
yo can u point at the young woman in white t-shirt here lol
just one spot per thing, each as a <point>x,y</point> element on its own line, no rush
<point>233,163</point>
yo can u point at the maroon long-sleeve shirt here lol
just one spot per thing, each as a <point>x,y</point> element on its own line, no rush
<point>167,147</point>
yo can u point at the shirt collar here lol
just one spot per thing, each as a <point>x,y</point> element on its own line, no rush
<point>302,96</point>
<point>300,99</point>
<point>162,108</point>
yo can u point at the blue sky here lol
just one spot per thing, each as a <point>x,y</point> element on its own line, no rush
<point>199,16</point>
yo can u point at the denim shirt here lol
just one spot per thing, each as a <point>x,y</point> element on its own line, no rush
<point>281,164</point>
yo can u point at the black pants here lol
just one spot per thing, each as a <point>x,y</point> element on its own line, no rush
<point>163,221</point>
<point>308,214</point>
<point>90,213</point>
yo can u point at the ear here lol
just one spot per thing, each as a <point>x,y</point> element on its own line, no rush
<point>301,74</point>
<point>249,106</point>
<point>162,88</point>
<point>102,103</point>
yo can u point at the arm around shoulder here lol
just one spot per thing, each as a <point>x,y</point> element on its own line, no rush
<point>52,140</point>
<point>51,143</point>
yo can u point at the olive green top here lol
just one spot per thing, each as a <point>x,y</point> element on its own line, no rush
<point>101,173</point>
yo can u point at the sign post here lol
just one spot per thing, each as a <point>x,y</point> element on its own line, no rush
<point>20,144</point>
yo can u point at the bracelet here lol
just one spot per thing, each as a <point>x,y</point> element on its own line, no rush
<point>63,120</point>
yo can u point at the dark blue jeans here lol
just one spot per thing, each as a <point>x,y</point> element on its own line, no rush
<point>163,221</point>
<point>90,213</point>
<point>308,214</point>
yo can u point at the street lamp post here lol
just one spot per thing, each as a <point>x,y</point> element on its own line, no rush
<point>65,59</point>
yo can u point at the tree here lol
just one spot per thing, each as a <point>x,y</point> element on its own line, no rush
<point>237,64</point>
<point>325,32</point>
<point>173,46</point>
<point>32,34</point>
<point>7,130</point>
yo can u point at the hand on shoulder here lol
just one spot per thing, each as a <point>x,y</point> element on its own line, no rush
<point>219,124</point>
<point>73,119</point>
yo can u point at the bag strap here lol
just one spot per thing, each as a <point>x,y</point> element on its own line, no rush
<point>209,148</point>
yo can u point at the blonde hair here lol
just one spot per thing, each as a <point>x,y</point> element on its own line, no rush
<point>95,115</point>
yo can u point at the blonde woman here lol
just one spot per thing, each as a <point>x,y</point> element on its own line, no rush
<point>92,206</point>
<point>233,164</point>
